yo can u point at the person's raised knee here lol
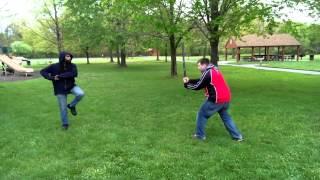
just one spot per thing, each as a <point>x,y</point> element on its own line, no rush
<point>80,94</point>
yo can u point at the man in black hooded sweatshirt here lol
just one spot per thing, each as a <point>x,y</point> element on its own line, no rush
<point>62,75</point>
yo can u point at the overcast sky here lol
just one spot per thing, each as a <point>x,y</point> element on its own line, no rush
<point>24,9</point>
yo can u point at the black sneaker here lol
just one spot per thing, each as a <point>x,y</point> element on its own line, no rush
<point>72,110</point>
<point>65,126</point>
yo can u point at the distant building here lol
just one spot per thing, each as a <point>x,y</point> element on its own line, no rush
<point>253,41</point>
<point>153,52</point>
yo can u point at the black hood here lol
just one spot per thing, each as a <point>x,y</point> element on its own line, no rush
<point>62,56</point>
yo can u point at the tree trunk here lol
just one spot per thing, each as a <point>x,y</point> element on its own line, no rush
<point>57,28</point>
<point>166,53</point>
<point>111,56</point>
<point>184,61</point>
<point>118,55</point>
<point>214,51</point>
<point>158,55</point>
<point>123,56</point>
<point>173,56</point>
<point>87,54</point>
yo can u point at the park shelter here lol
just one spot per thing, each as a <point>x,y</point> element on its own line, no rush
<point>253,41</point>
<point>153,52</point>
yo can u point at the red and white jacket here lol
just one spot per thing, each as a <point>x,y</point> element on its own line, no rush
<point>216,88</point>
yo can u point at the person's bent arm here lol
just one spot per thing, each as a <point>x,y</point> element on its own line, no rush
<point>46,73</point>
<point>71,74</point>
<point>197,84</point>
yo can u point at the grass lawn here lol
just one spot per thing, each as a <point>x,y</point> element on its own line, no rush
<point>136,123</point>
<point>304,64</point>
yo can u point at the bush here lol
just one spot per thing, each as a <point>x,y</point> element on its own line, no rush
<point>21,48</point>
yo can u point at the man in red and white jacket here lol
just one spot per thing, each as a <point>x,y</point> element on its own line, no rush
<point>218,96</point>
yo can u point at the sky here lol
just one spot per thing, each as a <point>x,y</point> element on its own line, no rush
<point>14,10</point>
<point>24,9</point>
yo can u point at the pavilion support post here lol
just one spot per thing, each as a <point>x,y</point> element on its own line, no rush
<point>252,54</point>
<point>238,54</point>
<point>298,52</point>
<point>282,53</point>
<point>267,48</point>
<point>226,54</point>
<point>265,53</point>
<point>278,56</point>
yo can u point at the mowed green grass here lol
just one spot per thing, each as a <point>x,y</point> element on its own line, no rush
<point>136,123</point>
<point>302,65</point>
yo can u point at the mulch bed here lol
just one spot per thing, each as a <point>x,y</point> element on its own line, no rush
<point>18,77</point>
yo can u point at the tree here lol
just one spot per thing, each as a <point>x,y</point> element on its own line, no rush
<point>50,20</point>
<point>108,22</point>
<point>121,17</point>
<point>218,18</point>
<point>21,48</point>
<point>40,39</point>
<point>11,33</point>
<point>314,38</point>
<point>171,19</point>
<point>84,26</point>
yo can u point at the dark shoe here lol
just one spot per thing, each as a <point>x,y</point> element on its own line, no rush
<point>72,110</point>
<point>65,126</point>
<point>196,136</point>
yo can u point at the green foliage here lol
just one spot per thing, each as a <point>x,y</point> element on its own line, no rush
<point>314,38</point>
<point>11,33</point>
<point>308,35</point>
<point>41,41</point>
<point>83,25</point>
<point>225,18</point>
<point>109,23</point>
<point>21,48</point>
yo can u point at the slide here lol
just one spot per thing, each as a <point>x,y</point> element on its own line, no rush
<point>13,65</point>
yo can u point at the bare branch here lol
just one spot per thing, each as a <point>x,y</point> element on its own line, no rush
<point>180,12</point>
<point>43,37</point>
<point>48,12</point>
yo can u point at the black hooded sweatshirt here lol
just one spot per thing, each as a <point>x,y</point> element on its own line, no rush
<point>66,73</point>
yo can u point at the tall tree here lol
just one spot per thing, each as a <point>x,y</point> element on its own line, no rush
<point>314,38</point>
<point>40,39</point>
<point>84,25</point>
<point>218,18</point>
<point>50,19</point>
<point>121,17</point>
<point>171,18</point>
<point>11,33</point>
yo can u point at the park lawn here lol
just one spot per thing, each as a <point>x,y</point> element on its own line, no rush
<point>301,65</point>
<point>304,64</point>
<point>136,123</point>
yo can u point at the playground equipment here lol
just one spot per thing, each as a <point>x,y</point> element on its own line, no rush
<point>13,65</point>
